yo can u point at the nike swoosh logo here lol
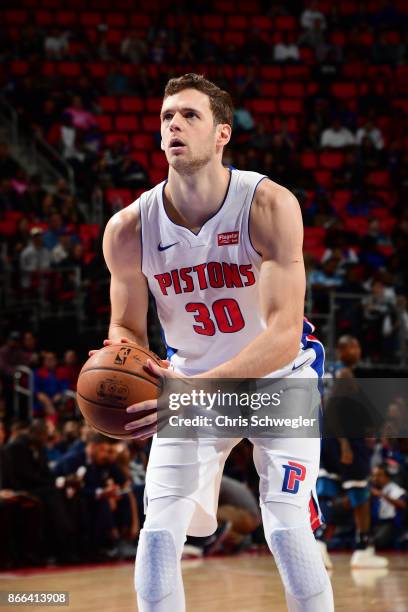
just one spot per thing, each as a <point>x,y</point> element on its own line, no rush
<point>164,248</point>
<point>299,366</point>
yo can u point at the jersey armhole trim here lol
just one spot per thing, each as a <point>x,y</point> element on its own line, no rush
<point>141,234</point>
<point>249,216</point>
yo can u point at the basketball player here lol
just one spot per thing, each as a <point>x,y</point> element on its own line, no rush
<point>221,251</point>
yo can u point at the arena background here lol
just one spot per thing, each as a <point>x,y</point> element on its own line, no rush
<point>320,95</point>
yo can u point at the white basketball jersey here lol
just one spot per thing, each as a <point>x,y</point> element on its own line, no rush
<point>205,285</point>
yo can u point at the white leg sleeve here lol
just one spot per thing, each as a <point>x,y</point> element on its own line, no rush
<point>158,579</point>
<point>293,545</point>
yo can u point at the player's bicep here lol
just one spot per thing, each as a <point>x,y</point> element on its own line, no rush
<point>128,289</point>
<point>277,233</point>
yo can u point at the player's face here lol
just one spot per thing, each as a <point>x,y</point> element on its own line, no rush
<point>188,131</point>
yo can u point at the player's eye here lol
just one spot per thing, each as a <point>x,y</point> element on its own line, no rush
<point>167,116</point>
<point>190,114</point>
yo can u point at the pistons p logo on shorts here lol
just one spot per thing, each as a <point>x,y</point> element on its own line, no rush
<point>294,474</point>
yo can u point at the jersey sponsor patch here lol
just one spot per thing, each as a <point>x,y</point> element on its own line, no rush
<point>228,238</point>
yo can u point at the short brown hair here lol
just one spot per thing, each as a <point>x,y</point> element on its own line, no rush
<point>220,100</point>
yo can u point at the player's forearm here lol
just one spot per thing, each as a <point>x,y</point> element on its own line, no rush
<point>270,351</point>
<point>118,331</point>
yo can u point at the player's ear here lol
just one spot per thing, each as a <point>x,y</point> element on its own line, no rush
<point>162,145</point>
<point>224,134</point>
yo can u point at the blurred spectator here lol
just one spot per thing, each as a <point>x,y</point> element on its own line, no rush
<point>30,349</point>
<point>48,387</point>
<point>82,119</point>
<point>310,14</point>
<point>103,486</point>
<point>287,49</point>
<point>34,258</point>
<point>389,507</point>
<point>12,354</point>
<point>69,369</point>
<point>117,81</point>
<point>8,166</point>
<point>328,277</point>
<point>133,48</point>
<point>62,249</point>
<point>369,130</point>
<point>384,52</point>
<point>56,44</point>
<point>261,139</point>
<point>336,136</point>
<point>315,39</point>
<point>54,231</point>
<point>380,318</point>
<point>30,473</point>
<point>243,120</point>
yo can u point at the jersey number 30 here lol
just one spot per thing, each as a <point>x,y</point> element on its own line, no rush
<point>227,315</point>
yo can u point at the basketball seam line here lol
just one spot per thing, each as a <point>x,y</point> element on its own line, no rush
<point>119,370</point>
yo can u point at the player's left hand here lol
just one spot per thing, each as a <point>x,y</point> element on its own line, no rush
<point>146,426</point>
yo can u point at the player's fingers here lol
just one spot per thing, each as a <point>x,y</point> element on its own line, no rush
<point>142,406</point>
<point>157,370</point>
<point>149,419</point>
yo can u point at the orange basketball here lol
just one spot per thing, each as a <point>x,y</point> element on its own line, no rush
<point>112,379</point>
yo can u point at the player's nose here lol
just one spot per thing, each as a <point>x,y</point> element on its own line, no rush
<point>175,122</point>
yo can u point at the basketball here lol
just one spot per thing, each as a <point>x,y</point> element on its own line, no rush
<point>112,379</point>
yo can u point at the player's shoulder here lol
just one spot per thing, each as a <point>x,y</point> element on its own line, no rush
<point>270,196</point>
<point>128,220</point>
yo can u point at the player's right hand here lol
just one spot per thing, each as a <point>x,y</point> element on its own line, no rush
<point>107,342</point>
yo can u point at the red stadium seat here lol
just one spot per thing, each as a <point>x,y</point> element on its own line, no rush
<point>269,89</point>
<point>380,178</point>
<point>66,18</point>
<point>18,67</point>
<point>131,104</point>
<point>88,19</point>
<point>331,159</point>
<point>98,70</point>
<point>126,123</point>
<point>314,236</point>
<point>114,137</point>
<point>293,90</point>
<point>290,106</point>
<point>116,20</point>
<point>159,161</point>
<point>15,17</point>
<point>296,72</point>
<point>118,197</point>
<point>213,22</point>
<point>43,18</point>
<point>271,73</point>
<point>356,224</point>
<point>338,38</point>
<point>89,233</point>
<point>307,55</point>
<point>142,141</point>
<point>323,178</point>
<point>237,22</point>
<point>151,123</point>
<point>69,69</point>
<point>153,105</point>
<point>263,23</point>
<point>108,104</point>
<point>285,22</point>
<point>233,37</point>
<point>157,175</point>
<point>114,37</point>
<point>137,20</point>
<point>8,228</point>
<point>104,122</point>
<point>13,215</point>
<point>345,90</point>
<point>308,160</point>
<point>141,157</point>
<point>263,106</point>
<point>225,6</point>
